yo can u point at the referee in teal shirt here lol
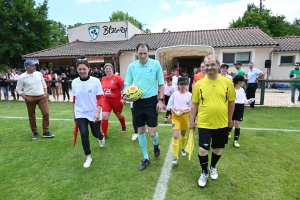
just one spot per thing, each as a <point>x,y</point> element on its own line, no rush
<point>147,74</point>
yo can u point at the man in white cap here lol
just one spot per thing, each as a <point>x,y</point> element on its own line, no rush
<point>31,86</point>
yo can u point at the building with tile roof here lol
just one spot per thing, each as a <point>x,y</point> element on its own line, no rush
<point>115,42</point>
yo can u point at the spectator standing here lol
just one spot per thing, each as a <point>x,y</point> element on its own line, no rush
<point>175,78</point>
<point>112,86</point>
<point>87,98</point>
<point>191,78</point>
<point>295,75</point>
<point>65,86</point>
<point>12,86</point>
<point>97,74</point>
<point>213,98</point>
<point>253,75</point>
<point>4,86</point>
<point>32,87</point>
<point>200,75</point>
<point>54,85</point>
<point>147,74</point>
<point>240,71</point>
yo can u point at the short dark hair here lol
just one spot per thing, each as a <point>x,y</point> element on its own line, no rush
<point>142,44</point>
<point>237,78</point>
<point>82,60</point>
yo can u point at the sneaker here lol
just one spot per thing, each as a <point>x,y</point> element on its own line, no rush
<point>213,173</point>
<point>48,135</point>
<point>165,120</point>
<point>87,162</point>
<point>123,129</point>
<point>63,101</point>
<point>102,142</point>
<point>202,179</point>
<point>236,143</point>
<point>292,104</point>
<point>183,153</point>
<point>175,161</point>
<point>144,164</point>
<point>35,136</point>
<point>229,135</point>
<point>134,136</point>
<point>156,150</point>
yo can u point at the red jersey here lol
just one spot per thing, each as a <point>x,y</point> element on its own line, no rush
<point>112,87</point>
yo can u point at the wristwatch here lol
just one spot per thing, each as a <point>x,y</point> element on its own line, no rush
<point>161,99</point>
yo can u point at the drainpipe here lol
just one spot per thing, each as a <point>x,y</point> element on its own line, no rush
<point>114,64</point>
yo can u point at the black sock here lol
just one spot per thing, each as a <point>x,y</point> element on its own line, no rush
<point>237,133</point>
<point>229,129</point>
<point>203,163</point>
<point>214,159</point>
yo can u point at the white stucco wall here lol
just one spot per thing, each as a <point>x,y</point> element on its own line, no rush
<point>282,71</point>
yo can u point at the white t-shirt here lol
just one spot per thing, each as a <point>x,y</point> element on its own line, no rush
<point>86,101</point>
<point>169,90</point>
<point>174,82</point>
<point>180,101</point>
<point>240,96</point>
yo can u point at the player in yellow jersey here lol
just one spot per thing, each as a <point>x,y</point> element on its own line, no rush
<point>213,98</point>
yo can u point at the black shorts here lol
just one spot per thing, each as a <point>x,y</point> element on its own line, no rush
<point>144,112</point>
<point>217,137</point>
<point>238,112</point>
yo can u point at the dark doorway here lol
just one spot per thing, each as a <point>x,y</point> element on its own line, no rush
<point>187,63</point>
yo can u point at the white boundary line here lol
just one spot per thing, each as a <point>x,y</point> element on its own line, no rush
<point>244,128</point>
<point>162,183</point>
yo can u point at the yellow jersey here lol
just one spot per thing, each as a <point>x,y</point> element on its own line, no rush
<point>212,97</point>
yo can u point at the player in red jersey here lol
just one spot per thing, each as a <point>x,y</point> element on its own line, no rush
<point>112,86</point>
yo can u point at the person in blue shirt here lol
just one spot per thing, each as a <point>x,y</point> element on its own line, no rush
<point>253,75</point>
<point>147,74</point>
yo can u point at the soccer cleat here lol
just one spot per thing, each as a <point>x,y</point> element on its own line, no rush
<point>48,135</point>
<point>123,129</point>
<point>87,162</point>
<point>156,150</point>
<point>175,161</point>
<point>134,136</point>
<point>183,153</point>
<point>202,179</point>
<point>236,143</point>
<point>102,142</point>
<point>213,173</point>
<point>144,164</point>
<point>35,136</point>
<point>166,120</point>
<point>229,135</point>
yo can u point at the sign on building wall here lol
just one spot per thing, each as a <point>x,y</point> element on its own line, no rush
<point>109,31</point>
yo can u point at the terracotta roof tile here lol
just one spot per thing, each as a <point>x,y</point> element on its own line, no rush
<point>218,38</point>
<point>287,43</point>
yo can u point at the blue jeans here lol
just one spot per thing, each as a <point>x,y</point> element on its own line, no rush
<point>293,87</point>
<point>5,92</point>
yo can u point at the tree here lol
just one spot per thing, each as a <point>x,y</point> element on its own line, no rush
<point>164,30</point>
<point>58,33</point>
<point>121,16</point>
<point>75,25</point>
<point>273,25</point>
<point>24,28</point>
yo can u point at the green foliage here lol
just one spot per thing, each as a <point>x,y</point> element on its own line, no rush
<point>58,33</point>
<point>273,25</point>
<point>75,25</point>
<point>24,29</point>
<point>117,16</point>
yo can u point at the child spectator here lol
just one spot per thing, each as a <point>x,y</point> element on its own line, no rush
<point>180,104</point>
<point>238,112</point>
<point>169,89</point>
<point>65,86</point>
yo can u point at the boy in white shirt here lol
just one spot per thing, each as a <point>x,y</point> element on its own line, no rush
<point>169,89</point>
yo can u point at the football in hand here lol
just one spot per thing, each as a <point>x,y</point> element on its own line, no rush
<point>134,91</point>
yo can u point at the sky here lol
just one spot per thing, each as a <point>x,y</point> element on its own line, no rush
<point>174,15</point>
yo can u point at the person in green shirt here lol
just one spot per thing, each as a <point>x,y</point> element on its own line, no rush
<point>295,75</point>
<point>240,71</point>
